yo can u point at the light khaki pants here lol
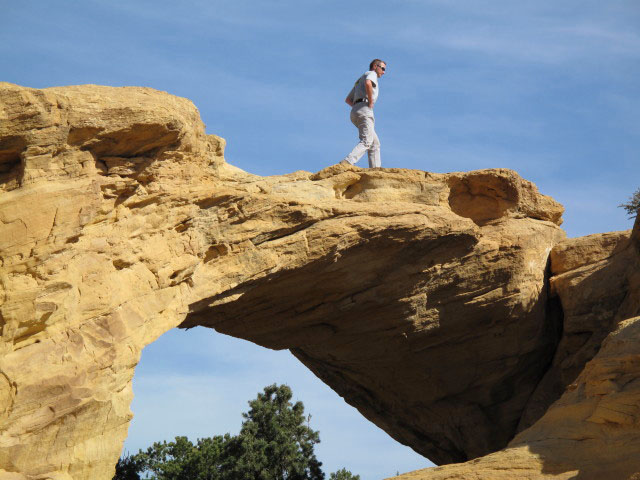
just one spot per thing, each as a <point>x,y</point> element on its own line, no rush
<point>362,118</point>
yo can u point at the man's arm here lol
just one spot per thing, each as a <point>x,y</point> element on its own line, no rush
<point>348,100</point>
<point>368,85</point>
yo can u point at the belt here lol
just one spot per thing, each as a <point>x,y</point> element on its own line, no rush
<point>361,100</point>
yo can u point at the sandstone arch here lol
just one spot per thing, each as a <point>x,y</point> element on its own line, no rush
<point>123,221</point>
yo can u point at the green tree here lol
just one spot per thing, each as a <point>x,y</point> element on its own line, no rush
<point>343,474</point>
<point>182,460</point>
<point>128,468</point>
<point>633,205</point>
<point>274,442</point>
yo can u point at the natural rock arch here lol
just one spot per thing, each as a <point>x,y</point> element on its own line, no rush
<point>428,314</point>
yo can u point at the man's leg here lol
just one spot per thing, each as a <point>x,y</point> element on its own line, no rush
<point>364,123</point>
<point>374,152</point>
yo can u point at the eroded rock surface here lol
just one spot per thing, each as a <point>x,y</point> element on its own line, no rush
<point>423,299</point>
<point>591,432</point>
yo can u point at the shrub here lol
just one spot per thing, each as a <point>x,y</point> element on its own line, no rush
<point>633,205</point>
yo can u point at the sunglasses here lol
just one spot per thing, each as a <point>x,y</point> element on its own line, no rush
<point>384,69</point>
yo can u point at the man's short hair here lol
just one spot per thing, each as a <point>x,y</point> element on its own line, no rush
<point>376,62</point>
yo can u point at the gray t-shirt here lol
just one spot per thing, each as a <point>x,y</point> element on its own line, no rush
<point>359,90</point>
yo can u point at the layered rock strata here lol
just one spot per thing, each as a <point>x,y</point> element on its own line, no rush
<point>423,299</point>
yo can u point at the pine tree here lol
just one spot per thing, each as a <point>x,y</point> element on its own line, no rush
<point>182,460</point>
<point>274,443</point>
<point>128,468</point>
<point>343,474</point>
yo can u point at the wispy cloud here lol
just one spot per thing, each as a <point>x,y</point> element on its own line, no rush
<point>607,38</point>
<point>533,32</point>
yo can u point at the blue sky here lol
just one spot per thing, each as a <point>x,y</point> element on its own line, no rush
<point>548,88</point>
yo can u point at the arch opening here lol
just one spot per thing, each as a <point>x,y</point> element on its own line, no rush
<point>197,383</point>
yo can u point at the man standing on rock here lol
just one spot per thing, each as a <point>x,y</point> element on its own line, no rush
<point>361,98</point>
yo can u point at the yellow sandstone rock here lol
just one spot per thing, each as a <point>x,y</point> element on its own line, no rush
<point>592,431</point>
<point>423,299</point>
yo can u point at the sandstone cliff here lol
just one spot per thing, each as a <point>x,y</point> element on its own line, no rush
<point>423,299</point>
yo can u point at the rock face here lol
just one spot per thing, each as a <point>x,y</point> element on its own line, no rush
<point>592,431</point>
<point>423,299</point>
